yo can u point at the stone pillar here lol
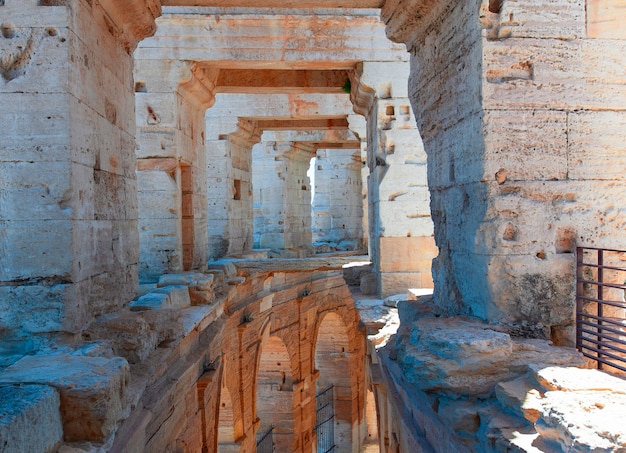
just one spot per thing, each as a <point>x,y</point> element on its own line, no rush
<point>520,116</point>
<point>338,202</point>
<point>68,203</point>
<point>229,158</point>
<point>400,228</point>
<point>172,98</point>
<point>282,195</point>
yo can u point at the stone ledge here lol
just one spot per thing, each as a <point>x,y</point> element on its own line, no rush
<point>81,382</point>
<point>30,419</point>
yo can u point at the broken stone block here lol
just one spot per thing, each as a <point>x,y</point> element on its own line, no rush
<point>583,421</point>
<point>201,286</point>
<point>418,293</point>
<point>178,295</point>
<point>520,398</point>
<point>460,415</point>
<point>369,283</point>
<point>150,301</point>
<point>129,334</point>
<point>30,418</point>
<point>92,390</point>
<point>173,296</point>
<point>572,379</point>
<point>452,354</point>
<point>392,301</point>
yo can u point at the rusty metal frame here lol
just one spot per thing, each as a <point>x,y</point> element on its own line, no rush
<point>599,337</point>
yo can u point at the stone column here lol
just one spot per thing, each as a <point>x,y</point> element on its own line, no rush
<point>400,228</point>
<point>229,156</point>
<point>338,202</point>
<point>520,113</point>
<point>68,203</point>
<point>171,98</point>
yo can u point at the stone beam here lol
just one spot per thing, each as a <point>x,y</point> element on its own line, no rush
<point>271,41</point>
<point>303,125</point>
<point>278,3</point>
<point>270,81</point>
<point>330,136</point>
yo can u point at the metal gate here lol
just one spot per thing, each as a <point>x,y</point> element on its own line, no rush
<point>325,420</point>
<point>601,308</point>
<point>265,444</point>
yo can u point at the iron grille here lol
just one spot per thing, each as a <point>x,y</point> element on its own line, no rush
<point>265,444</point>
<point>325,420</point>
<point>600,306</point>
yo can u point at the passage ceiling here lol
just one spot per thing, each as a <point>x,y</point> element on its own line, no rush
<point>278,3</point>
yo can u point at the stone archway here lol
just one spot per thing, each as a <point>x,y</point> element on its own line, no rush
<point>332,360</point>
<point>274,394</point>
<point>226,441</point>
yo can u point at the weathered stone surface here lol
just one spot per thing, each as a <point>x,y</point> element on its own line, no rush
<point>461,415</point>
<point>171,296</point>
<point>467,357</point>
<point>30,419</point>
<point>583,421</point>
<point>92,390</point>
<point>570,379</point>
<point>520,397</point>
<point>129,334</point>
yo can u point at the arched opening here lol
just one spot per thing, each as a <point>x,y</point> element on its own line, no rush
<point>332,360</point>
<point>274,396</point>
<point>226,423</point>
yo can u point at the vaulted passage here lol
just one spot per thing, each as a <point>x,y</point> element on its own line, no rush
<point>304,226</point>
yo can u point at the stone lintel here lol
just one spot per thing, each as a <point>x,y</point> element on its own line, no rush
<point>280,81</point>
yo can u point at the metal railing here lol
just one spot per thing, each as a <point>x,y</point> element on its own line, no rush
<point>600,305</point>
<point>265,444</point>
<point>325,420</point>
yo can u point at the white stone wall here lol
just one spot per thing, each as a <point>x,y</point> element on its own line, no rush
<point>519,112</point>
<point>68,239</point>
<point>338,201</point>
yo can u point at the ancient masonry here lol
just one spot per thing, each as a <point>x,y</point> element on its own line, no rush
<point>318,222</point>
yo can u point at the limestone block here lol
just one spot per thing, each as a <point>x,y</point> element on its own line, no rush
<point>605,19</point>
<point>369,283</point>
<point>550,64</point>
<point>129,334</point>
<point>583,421</point>
<point>92,389</point>
<point>392,301</point>
<point>47,315</point>
<point>528,145</point>
<point>455,355</point>
<point>172,296</point>
<point>418,293</point>
<point>596,145</point>
<point>407,254</point>
<point>191,39</point>
<point>561,19</point>
<point>156,142</point>
<point>570,379</point>
<point>460,415</point>
<point>30,419</point>
<point>520,397</point>
<point>178,295</point>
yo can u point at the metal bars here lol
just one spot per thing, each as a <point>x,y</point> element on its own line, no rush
<point>325,420</point>
<point>600,305</point>
<point>265,444</point>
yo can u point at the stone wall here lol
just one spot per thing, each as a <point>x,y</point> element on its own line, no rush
<point>69,204</point>
<point>515,109</point>
<point>338,198</point>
